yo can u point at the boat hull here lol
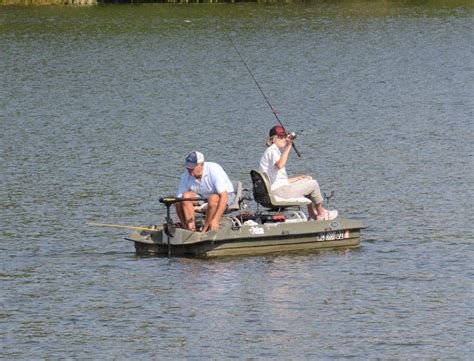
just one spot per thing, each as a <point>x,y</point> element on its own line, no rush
<point>251,239</point>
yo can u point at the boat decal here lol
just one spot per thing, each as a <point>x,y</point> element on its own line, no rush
<point>334,224</point>
<point>256,230</point>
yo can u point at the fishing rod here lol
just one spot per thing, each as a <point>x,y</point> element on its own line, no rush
<point>261,91</point>
<point>151,228</point>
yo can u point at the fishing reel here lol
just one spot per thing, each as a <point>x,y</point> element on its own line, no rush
<point>292,135</point>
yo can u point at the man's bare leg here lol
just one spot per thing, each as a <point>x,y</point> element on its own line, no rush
<point>311,211</point>
<point>185,211</point>
<point>212,203</point>
<point>320,209</point>
<point>180,213</point>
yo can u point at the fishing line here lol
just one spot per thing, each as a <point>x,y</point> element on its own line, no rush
<point>261,90</point>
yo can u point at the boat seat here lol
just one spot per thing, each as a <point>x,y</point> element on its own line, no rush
<point>262,194</point>
<point>235,206</point>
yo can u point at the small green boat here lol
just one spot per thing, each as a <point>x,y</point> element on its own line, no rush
<point>231,240</point>
<point>280,227</point>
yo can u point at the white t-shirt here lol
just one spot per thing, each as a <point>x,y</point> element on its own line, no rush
<point>278,177</point>
<point>214,180</point>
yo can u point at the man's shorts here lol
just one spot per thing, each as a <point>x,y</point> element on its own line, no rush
<point>230,199</point>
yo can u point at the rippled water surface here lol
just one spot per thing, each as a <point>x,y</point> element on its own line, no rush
<point>98,107</point>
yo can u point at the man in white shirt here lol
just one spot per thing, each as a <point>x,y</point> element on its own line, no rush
<point>203,180</point>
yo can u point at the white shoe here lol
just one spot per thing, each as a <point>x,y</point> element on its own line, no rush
<point>328,216</point>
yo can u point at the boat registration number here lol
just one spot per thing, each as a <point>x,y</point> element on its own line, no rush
<point>332,236</point>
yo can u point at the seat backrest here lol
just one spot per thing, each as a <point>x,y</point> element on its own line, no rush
<point>261,189</point>
<point>235,206</point>
<point>262,194</point>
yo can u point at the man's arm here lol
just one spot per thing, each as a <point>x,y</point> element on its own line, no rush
<point>281,163</point>
<point>183,186</point>
<point>299,177</point>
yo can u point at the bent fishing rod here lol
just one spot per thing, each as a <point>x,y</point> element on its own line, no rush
<point>261,90</point>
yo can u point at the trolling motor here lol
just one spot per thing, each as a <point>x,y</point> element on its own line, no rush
<point>170,226</point>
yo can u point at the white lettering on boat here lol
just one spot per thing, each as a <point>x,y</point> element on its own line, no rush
<point>331,236</point>
<point>256,230</point>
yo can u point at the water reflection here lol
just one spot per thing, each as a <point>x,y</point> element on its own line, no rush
<point>101,101</point>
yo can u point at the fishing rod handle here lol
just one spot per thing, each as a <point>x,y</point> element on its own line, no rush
<point>297,151</point>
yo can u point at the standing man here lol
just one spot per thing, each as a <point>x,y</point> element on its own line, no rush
<point>204,180</point>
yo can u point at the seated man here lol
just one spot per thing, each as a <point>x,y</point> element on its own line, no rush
<point>204,180</point>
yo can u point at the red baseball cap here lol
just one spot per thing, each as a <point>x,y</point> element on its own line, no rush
<point>277,130</point>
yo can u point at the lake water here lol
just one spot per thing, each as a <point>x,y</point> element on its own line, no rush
<point>100,105</point>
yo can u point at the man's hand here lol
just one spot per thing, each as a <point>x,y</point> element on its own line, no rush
<point>214,224</point>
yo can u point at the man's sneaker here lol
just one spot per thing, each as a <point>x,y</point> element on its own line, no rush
<point>328,215</point>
